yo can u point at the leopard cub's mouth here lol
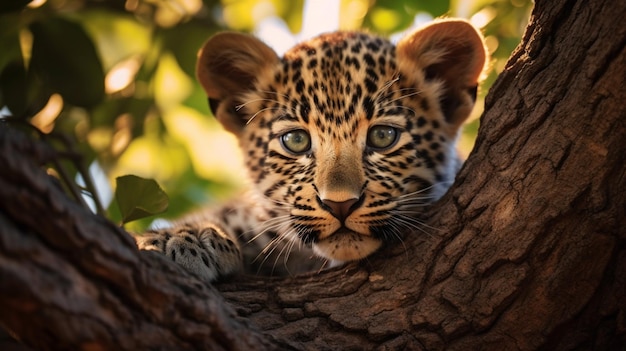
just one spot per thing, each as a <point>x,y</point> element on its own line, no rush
<point>346,245</point>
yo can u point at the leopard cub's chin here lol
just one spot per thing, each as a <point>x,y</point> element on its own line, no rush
<point>346,245</point>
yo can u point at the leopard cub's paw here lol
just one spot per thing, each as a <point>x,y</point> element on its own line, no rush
<point>184,247</point>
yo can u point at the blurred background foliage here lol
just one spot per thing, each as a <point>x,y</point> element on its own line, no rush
<point>117,76</point>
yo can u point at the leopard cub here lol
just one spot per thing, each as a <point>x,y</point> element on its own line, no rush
<point>345,138</point>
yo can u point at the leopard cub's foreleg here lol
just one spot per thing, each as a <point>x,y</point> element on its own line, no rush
<point>204,250</point>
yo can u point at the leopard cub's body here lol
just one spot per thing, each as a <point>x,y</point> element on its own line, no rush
<point>345,138</point>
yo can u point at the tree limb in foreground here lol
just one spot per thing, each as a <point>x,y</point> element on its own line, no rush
<point>528,251</point>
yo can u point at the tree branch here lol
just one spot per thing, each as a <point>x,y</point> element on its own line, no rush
<point>72,280</point>
<point>529,252</point>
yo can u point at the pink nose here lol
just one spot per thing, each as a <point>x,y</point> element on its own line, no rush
<point>341,210</point>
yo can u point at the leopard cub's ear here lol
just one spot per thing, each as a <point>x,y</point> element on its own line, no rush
<point>228,65</point>
<point>452,51</point>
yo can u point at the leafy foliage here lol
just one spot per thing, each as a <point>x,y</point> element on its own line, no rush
<point>65,60</point>
<point>119,77</point>
<point>392,16</point>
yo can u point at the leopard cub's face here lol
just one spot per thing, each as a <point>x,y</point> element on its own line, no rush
<point>347,136</point>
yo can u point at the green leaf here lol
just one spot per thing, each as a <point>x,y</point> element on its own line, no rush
<point>395,15</point>
<point>65,58</point>
<point>184,41</point>
<point>13,88</point>
<point>21,91</point>
<point>139,197</point>
<point>434,8</point>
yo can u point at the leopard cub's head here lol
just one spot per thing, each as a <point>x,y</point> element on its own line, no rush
<point>347,136</point>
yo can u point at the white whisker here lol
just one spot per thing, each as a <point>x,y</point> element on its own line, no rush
<point>385,88</point>
<point>414,223</point>
<point>267,251</point>
<point>240,106</point>
<point>404,96</point>
<point>275,93</point>
<point>260,111</point>
<point>271,225</point>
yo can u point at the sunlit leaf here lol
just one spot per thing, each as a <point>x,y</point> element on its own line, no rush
<point>172,85</point>
<point>395,15</point>
<point>291,13</point>
<point>66,60</point>
<point>117,36</point>
<point>139,197</point>
<point>386,20</point>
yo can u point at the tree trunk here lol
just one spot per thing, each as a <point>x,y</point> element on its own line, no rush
<point>527,249</point>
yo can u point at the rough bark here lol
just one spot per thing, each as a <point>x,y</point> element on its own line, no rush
<point>527,250</point>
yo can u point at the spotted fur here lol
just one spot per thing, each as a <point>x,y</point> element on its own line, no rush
<point>346,138</point>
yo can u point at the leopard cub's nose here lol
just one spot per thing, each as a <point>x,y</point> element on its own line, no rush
<point>340,210</point>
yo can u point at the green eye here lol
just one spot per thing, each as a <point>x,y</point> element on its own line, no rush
<point>382,137</point>
<point>296,141</point>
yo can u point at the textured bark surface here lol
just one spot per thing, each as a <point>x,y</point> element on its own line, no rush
<point>527,250</point>
<point>71,280</point>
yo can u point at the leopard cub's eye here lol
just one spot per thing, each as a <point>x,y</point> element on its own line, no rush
<point>382,137</point>
<point>296,141</point>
